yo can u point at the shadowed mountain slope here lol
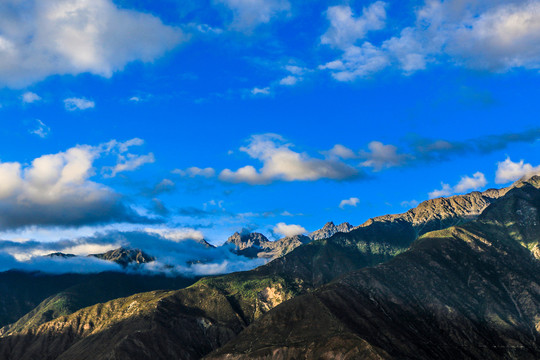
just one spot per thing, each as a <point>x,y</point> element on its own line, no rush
<point>471,291</point>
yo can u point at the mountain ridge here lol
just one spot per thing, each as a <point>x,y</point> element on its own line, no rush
<point>245,297</point>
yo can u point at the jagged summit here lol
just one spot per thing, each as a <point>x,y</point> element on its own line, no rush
<point>246,240</point>
<point>59,255</point>
<point>125,257</point>
<point>329,229</point>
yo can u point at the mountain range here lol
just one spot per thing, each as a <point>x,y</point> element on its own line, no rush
<point>452,278</point>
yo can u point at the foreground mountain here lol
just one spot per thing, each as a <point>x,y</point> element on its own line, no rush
<point>189,323</point>
<point>466,292</point>
<point>31,299</point>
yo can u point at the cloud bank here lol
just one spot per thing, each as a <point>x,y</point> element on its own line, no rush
<point>177,252</point>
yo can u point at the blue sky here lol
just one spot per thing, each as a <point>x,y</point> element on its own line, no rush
<point>206,117</point>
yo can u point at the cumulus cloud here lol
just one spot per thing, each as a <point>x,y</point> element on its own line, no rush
<point>491,35</point>
<point>280,162</point>
<point>248,14</point>
<point>43,38</point>
<point>345,29</point>
<point>195,171</point>
<point>349,202</point>
<point>56,189</point>
<point>41,129</point>
<point>30,97</point>
<point>289,230</point>
<point>465,184</point>
<point>508,171</point>
<point>72,104</point>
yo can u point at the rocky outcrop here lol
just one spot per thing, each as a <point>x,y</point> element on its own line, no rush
<point>126,257</point>
<point>329,230</point>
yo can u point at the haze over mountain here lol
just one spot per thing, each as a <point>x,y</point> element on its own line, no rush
<point>208,315</point>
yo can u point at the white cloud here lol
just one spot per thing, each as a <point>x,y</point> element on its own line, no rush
<point>465,184</point>
<point>288,80</point>
<point>345,29</point>
<point>260,91</point>
<point>56,189</point>
<point>177,235</point>
<point>491,35</point>
<point>129,162</point>
<point>341,151</point>
<point>280,162</point>
<point>72,104</point>
<point>409,204</point>
<point>196,171</point>
<point>289,230</point>
<point>382,156</point>
<point>30,97</point>
<point>446,190</point>
<point>508,171</point>
<point>41,129</point>
<point>43,38</point>
<point>349,202</point>
<point>248,14</point>
<point>477,181</point>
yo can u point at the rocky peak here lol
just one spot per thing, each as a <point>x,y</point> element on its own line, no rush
<point>329,229</point>
<point>125,256</point>
<point>247,240</point>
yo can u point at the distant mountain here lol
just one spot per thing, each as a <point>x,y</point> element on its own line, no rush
<point>255,245</point>
<point>192,322</point>
<point>466,292</point>
<point>60,255</point>
<point>125,257</point>
<point>329,229</point>
<point>247,240</point>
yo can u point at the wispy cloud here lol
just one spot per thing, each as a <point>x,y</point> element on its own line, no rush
<point>248,14</point>
<point>353,201</point>
<point>41,129</point>
<point>73,104</point>
<point>30,97</point>
<point>195,172</point>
